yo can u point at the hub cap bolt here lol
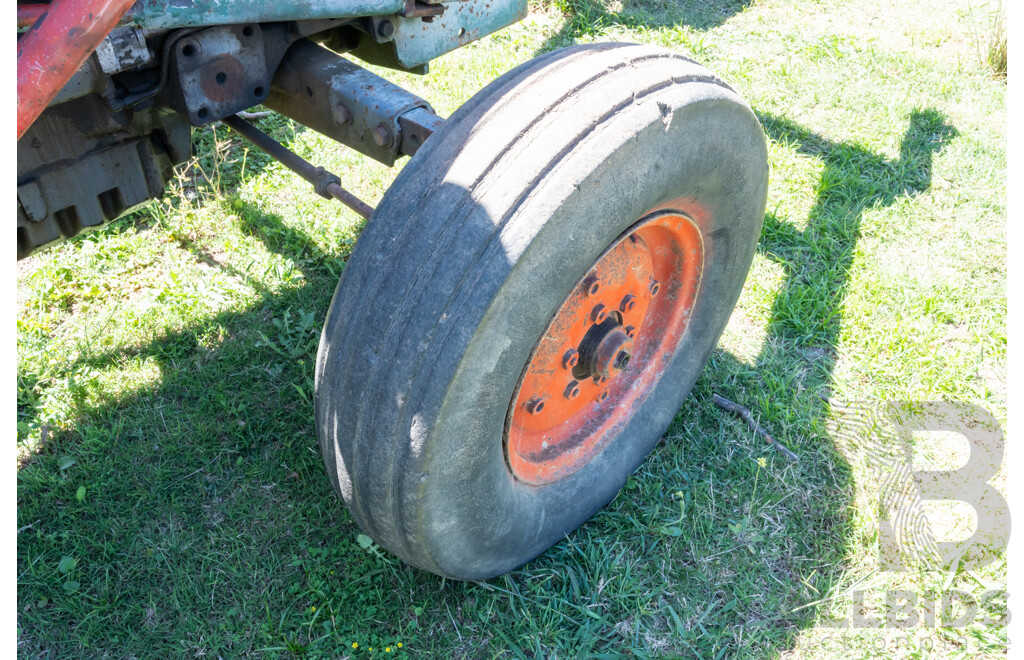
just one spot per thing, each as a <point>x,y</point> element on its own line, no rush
<point>535,405</point>
<point>591,285</point>
<point>628,304</point>
<point>571,358</point>
<point>599,314</point>
<point>572,390</point>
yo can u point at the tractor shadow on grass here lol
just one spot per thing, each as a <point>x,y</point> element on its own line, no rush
<point>777,534</point>
<point>208,524</point>
<point>587,17</point>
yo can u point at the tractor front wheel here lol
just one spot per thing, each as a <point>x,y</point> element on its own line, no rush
<point>532,301</point>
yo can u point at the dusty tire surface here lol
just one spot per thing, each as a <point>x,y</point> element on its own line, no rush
<point>474,250</point>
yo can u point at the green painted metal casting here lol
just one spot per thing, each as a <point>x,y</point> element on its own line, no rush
<point>167,14</point>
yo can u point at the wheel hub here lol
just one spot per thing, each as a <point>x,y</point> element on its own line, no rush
<point>605,348</point>
<point>607,352</point>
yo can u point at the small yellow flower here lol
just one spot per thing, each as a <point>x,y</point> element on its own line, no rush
<point>763,462</point>
<point>371,648</point>
<point>399,645</point>
<point>313,609</point>
<point>387,649</point>
<point>355,645</point>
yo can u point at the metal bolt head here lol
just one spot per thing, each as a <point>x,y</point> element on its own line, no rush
<point>628,303</point>
<point>382,136</point>
<point>571,358</point>
<point>599,313</point>
<point>654,287</point>
<point>572,390</point>
<point>602,396</point>
<point>630,331</point>
<point>386,29</point>
<point>535,405</point>
<point>342,113</point>
<point>591,285</point>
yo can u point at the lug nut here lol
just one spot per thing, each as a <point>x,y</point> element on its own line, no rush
<point>572,390</point>
<point>386,29</point>
<point>535,405</point>
<point>599,314</point>
<point>630,331</point>
<point>591,285</point>
<point>628,303</point>
<point>598,379</point>
<point>621,360</point>
<point>382,136</point>
<point>571,358</point>
<point>654,287</point>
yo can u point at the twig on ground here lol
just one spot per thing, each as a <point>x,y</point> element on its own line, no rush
<point>29,526</point>
<point>748,417</point>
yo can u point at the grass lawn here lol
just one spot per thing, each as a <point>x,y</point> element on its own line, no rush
<point>172,501</point>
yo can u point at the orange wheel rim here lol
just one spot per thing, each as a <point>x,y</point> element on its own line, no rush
<point>605,348</point>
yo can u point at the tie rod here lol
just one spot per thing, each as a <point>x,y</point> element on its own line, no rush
<point>325,183</point>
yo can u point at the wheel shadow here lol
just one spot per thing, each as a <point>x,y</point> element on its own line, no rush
<point>589,17</point>
<point>196,454</point>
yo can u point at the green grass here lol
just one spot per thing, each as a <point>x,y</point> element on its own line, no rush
<point>995,46</point>
<point>171,497</point>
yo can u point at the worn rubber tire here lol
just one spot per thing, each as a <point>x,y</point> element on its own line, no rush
<point>470,254</point>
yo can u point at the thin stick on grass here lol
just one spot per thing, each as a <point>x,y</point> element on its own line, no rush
<point>748,417</point>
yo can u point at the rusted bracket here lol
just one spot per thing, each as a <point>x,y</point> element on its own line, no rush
<point>219,71</point>
<point>328,93</point>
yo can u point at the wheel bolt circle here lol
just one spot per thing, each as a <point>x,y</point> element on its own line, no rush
<point>570,359</point>
<point>599,314</point>
<point>572,390</point>
<point>628,303</point>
